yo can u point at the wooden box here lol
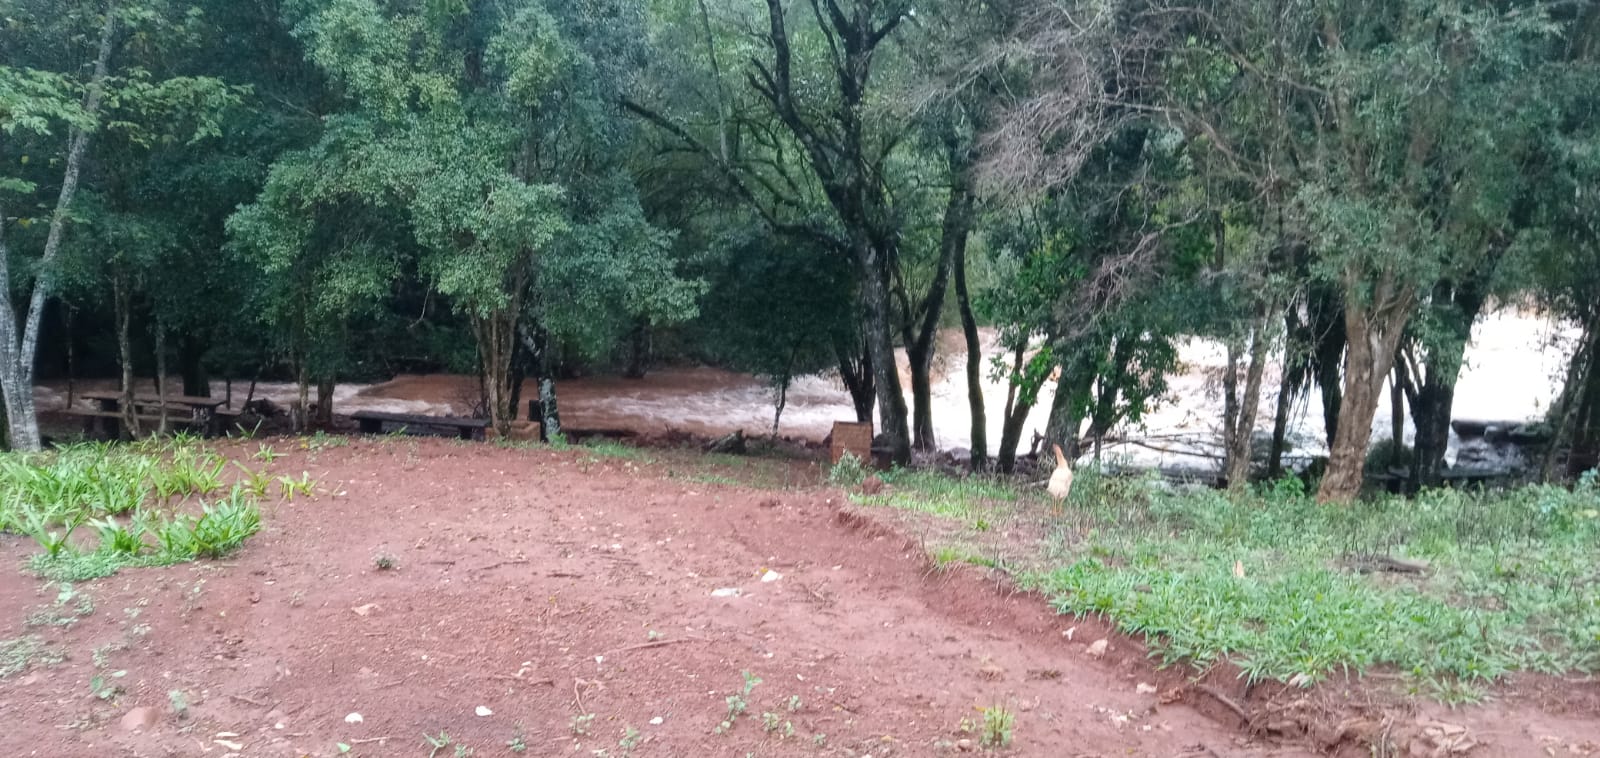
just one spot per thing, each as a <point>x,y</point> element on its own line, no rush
<point>854,438</point>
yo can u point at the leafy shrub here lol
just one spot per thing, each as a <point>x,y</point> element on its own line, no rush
<point>848,472</point>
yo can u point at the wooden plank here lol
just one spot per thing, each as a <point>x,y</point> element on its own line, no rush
<point>406,418</point>
<point>186,400</point>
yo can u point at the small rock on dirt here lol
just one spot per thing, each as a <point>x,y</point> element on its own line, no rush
<point>1098,649</point>
<point>771,576</point>
<point>483,710</point>
<point>141,718</point>
<point>727,592</point>
<point>964,746</point>
<point>1145,689</point>
<point>872,485</point>
<point>354,718</point>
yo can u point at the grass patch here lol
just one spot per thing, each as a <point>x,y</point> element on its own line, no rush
<point>609,449</point>
<point>972,499</point>
<point>147,503</point>
<point>1507,584</point>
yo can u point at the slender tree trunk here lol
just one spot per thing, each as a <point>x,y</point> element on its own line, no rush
<point>1239,454</point>
<point>1564,416</point>
<point>1286,392</point>
<point>17,351</point>
<point>72,364</point>
<point>921,345</point>
<point>1397,414</point>
<point>191,360</point>
<point>496,334</point>
<point>122,302</point>
<point>1022,393</point>
<point>969,330</point>
<point>327,382</point>
<point>1374,332</point>
<point>537,342</point>
<point>783,381</point>
<point>302,406</point>
<point>161,377</point>
<point>638,350</point>
<point>1585,429</point>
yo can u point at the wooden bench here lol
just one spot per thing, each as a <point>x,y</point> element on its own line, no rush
<point>373,422</point>
<point>110,422</point>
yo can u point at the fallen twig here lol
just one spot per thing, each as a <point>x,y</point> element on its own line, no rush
<point>655,643</point>
<point>256,703</point>
<point>498,565</point>
<point>369,740</point>
<point>1227,702</point>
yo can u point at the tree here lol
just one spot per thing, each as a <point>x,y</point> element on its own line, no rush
<point>489,134</point>
<point>36,101</point>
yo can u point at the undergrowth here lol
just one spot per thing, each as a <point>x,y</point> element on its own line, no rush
<point>1291,590</point>
<point>96,508</point>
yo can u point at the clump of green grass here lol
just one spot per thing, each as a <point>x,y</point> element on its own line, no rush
<point>1505,585</point>
<point>129,496</point>
<point>608,449</point>
<point>995,732</point>
<point>1503,591</point>
<point>972,500</point>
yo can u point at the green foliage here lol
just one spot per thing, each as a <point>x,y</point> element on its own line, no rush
<point>848,472</point>
<point>119,492</point>
<point>995,732</point>
<point>1500,593</point>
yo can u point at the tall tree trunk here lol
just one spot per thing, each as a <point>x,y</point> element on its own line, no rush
<point>1397,414</point>
<point>1580,381</point>
<point>72,363</point>
<point>17,351</point>
<point>1585,452</point>
<point>1016,412</point>
<point>638,350</point>
<point>161,376</point>
<point>1431,386</point>
<point>1374,330</point>
<point>922,344</point>
<point>122,302</point>
<point>1326,322</point>
<point>880,347</point>
<point>327,382</point>
<point>1294,367</point>
<point>969,330</point>
<point>1070,405</point>
<point>496,334</point>
<point>1239,453</point>
<point>537,341</point>
<point>191,362</point>
<point>855,370</point>
<point>302,405</point>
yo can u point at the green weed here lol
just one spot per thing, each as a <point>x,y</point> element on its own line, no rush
<point>848,472</point>
<point>996,728</point>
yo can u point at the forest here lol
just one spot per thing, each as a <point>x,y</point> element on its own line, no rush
<point>328,190</point>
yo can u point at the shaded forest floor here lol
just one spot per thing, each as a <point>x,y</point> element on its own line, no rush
<point>616,601</point>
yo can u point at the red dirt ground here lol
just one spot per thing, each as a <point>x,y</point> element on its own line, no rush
<point>548,584</point>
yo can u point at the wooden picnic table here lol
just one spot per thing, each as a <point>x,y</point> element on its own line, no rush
<point>200,412</point>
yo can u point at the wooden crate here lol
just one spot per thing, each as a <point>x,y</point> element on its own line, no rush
<point>854,438</point>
